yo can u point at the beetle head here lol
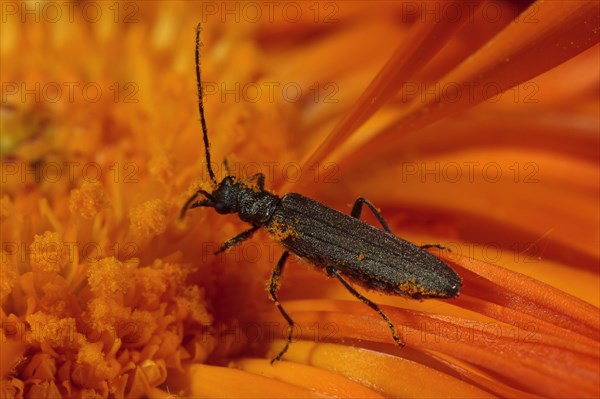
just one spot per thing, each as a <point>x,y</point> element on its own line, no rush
<point>224,197</point>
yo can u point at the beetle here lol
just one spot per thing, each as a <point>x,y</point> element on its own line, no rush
<point>343,245</point>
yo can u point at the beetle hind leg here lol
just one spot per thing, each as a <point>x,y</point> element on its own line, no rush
<point>357,209</point>
<point>274,283</point>
<point>438,246</point>
<point>333,272</point>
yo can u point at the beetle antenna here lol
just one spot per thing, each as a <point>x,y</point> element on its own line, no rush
<point>201,107</point>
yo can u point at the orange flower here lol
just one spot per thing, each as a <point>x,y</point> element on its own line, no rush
<point>471,124</point>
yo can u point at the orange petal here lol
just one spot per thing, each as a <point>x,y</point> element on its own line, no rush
<point>392,376</point>
<point>518,292</point>
<point>219,382</point>
<point>523,50</point>
<point>313,378</point>
<point>415,50</point>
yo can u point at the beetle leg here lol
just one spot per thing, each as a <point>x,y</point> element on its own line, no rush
<point>274,284</point>
<point>357,209</point>
<point>232,242</point>
<point>438,246</point>
<point>260,180</point>
<point>333,272</point>
<point>226,167</point>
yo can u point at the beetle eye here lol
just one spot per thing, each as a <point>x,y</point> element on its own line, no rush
<point>221,207</point>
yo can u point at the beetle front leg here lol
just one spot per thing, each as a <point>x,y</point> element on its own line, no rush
<point>260,180</point>
<point>232,242</point>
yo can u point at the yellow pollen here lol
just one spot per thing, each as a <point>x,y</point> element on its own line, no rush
<point>5,207</point>
<point>108,277</point>
<point>88,200</point>
<point>48,253</point>
<point>149,219</point>
<point>161,168</point>
<point>280,231</point>
<point>411,288</point>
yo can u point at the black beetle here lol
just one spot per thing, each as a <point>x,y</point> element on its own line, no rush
<point>343,245</point>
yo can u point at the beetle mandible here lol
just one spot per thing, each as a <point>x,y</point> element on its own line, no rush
<point>343,245</point>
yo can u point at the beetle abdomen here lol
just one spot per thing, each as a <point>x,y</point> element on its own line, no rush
<point>368,255</point>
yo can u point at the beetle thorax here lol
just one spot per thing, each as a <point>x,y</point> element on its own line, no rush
<point>252,205</point>
<point>256,207</point>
